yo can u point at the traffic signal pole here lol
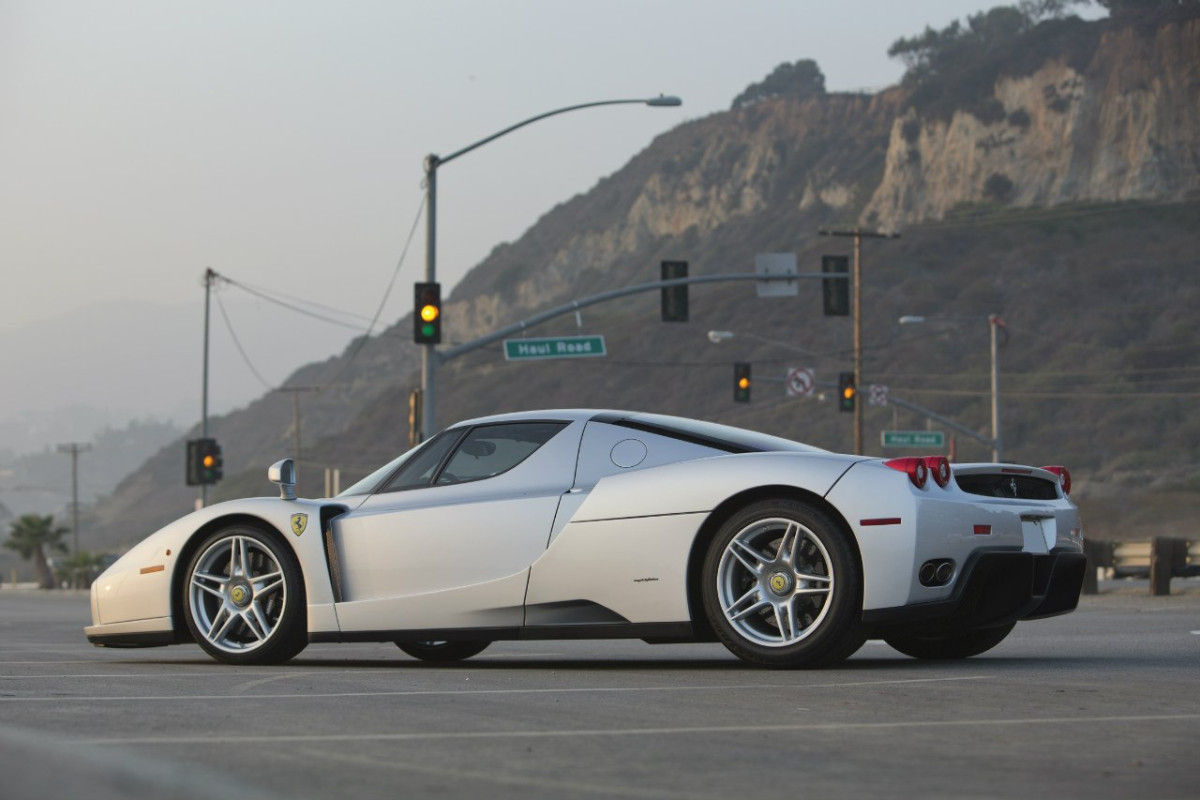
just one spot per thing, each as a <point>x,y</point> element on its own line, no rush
<point>856,309</point>
<point>428,355</point>
<point>429,359</point>
<point>209,277</point>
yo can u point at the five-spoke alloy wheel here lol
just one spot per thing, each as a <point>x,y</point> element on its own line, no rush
<point>244,599</point>
<point>782,586</point>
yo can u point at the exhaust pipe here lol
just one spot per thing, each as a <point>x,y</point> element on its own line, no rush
<point>936,572</point>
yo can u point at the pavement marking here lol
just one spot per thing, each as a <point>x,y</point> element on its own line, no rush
<point>571,787</point>
<point>673,731</point>
<point>127,675</point>
<point>443,692</point>
<point>242,687</point>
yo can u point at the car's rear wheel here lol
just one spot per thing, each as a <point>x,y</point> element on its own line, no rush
<point>442,651</point>
<point>244,598</point>
<point>782,587</point>
<point>958,645</point>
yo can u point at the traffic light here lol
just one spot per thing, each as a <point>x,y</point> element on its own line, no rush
<point>741,383</point>
<point>204,462</point>
<point>675,298</point>
<point>846,391</point>
<point>427,313</point>
<point>835,292</point>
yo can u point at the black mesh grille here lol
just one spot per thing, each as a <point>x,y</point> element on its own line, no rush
<point>1021,487</point>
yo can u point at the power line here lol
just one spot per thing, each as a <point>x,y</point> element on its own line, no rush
<point>361,342</point>
<point>237,343</point>
<point>290,306</point>
<point>250,287</point>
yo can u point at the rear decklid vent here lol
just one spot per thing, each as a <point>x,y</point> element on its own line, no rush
<point>1020,484</point>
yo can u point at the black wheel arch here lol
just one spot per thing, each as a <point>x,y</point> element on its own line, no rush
<point>726,509</point>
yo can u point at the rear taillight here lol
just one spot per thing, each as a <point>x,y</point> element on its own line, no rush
<point>914,467</point>
<point>1064,477</point>
<point>939,469</point>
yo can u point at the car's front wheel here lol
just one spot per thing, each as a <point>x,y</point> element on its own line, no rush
<point>782,587</point>
<point>442,651</point>
<point>244,598</point>
<point>958,645</point>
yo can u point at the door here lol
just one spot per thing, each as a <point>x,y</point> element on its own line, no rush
<point>448,541</point>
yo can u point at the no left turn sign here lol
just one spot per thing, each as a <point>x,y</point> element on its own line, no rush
<point>800,382</point>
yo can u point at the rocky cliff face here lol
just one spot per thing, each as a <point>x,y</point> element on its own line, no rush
<point>1125,128</point>
<point>817,156</point>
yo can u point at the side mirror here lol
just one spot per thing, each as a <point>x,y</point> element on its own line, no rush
<point>283,474</point>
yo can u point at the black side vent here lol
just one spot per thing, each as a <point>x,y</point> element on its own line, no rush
<point>1020,487</point>
<point>331,558</point>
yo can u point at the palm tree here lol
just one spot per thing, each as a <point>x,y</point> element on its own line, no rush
<point>30,535</point>
<point>78,569</point>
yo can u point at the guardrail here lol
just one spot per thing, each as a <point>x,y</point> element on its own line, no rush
<point>1162,558</point>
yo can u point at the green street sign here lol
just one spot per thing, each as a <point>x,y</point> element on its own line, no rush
<point>935,439</point>
<point>556,347</point>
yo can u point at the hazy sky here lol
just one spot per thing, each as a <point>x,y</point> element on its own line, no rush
<point>281,143</point>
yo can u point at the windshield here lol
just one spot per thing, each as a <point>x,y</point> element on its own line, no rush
<point>368,484</point>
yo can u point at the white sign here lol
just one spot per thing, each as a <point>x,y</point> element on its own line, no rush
<point>878,394</point>
<point>800,381</point>
<point>776,264</point>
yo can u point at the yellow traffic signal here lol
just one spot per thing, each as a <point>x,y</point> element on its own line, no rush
<point>741,382</point>
<point>846,391</point>
<point>205,465</point>
<point>427,313</point>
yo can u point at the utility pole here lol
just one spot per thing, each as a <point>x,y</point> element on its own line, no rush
<point>295,391</point>
<point>995,324</point>
<point>209,278</point>
<point>856,309</point>
<point>75,448</point>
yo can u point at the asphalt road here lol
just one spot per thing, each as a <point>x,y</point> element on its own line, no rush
<point>1097,704</point>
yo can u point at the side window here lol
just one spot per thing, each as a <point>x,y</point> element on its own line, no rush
<point>419,469</point>
<point>489,450</point>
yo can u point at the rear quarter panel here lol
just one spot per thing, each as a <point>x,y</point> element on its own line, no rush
<point>627,545</point>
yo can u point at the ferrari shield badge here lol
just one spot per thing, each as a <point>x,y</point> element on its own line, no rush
<point>299,523</point>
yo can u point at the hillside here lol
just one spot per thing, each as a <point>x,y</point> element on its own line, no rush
<point>1071,211</point>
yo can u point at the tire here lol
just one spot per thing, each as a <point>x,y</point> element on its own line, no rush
<point>442,651</point>
<point>243,596</point>
<point>959,645</point>
<point>782,587</point>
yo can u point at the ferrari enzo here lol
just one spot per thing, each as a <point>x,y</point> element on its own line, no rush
<point>603,524</point>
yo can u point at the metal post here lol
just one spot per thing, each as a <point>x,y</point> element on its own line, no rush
<point>295,391</point>
<point>74,449</point>
<point>209,275</point>
<point>296,427</point>
<point>856,301</point>
<point>428,356</point>
<point>993,321</point>
<point>75,500</point>
<point>858,406</point>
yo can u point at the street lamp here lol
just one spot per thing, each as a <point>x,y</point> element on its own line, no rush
<point>432,162</point>
<point>995,324</point>
<point>716,337</point>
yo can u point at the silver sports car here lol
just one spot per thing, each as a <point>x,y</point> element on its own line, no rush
<point>608,524</point>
